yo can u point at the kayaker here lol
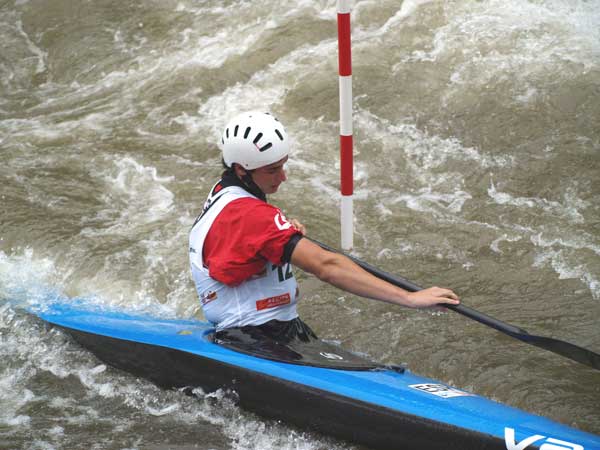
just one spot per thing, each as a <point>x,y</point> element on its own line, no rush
<point>242,248</point>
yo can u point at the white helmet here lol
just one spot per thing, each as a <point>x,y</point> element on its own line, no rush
<point>253,140</point>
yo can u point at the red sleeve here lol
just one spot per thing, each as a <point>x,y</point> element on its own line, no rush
<point>243,237</point>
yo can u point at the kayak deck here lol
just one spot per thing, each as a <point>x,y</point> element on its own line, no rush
<point>380,408</point>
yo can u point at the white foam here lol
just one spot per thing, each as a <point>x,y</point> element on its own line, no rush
<point>178,159</point>
<point>34,49</point>
<point>245,430</point>
<point>163,411</point>
<point>425,200</point>
<point>425,188</point>
<point>21,56</point>
<point>33,282</point>
<point>12,399</point>
<point>408,8</point>
<point>383,210</point>
<point>192,124</point>
<point>41,350</point>
<point>326,190</point>
<point>551,207</point>
<point>402,248</point>
<point>564,255</point>
<point>57,430</point>
<point>425,150</point>
<point>215,41</point>
<point>504,238</point>
<point>567,267</point>
<point>266,88</point>
<point>528,95</point>
<point>363,36</point>
<point>136,196</point>
<point>580,241</point>
<point>24,276</point>
<point>515,41</point>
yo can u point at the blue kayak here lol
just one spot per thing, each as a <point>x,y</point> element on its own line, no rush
<point>384,408</point>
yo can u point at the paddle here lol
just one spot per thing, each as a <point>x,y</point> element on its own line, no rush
<point>566,349</point>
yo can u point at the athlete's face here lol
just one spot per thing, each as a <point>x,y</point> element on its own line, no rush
<point>268,178</point>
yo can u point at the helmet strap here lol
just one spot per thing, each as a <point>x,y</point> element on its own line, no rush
<point>252,187</point>
<point>248,183</point>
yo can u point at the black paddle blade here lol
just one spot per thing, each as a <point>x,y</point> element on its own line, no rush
<point>566,349</point>
<point>563,348</point>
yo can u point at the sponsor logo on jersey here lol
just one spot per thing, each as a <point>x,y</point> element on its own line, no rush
<point>273,302</point>
<point>281,222</point>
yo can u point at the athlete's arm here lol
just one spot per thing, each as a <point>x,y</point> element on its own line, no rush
<point>343,273</point>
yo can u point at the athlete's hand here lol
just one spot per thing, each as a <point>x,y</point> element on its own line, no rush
<point>298,226</point>
<point>432,297</point>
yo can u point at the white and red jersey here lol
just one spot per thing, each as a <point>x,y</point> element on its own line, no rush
<point>236,249</point>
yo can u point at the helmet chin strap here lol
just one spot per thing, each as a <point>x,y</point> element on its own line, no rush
<point>252,187</point>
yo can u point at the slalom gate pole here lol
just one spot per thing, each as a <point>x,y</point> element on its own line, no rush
<point>346,146</point>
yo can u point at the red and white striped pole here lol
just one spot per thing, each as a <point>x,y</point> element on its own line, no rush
<point>346,159</point>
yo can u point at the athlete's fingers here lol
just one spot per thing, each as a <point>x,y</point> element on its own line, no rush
<point>447,293</point>
<point>433,296</point>
<point>449,301</point>
<point>301,228</point>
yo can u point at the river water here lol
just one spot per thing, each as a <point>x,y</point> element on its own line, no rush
<point>477,160</point>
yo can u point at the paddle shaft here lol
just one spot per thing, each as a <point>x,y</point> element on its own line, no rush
<point>562,348</point>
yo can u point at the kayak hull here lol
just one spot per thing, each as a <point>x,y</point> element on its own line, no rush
<point>326,412</point>
<point>382,409</point>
